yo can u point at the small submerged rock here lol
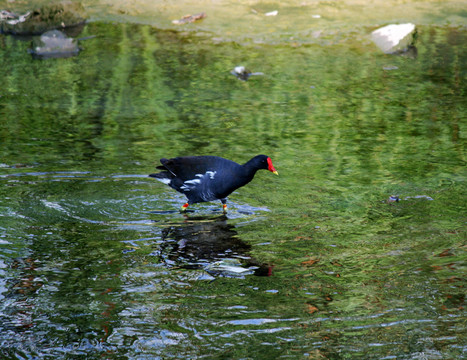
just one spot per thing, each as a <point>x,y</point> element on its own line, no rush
<point>395,198</point>
<point>393,39</point>
<point>243,73</point>
<point>425,197</point>
<point>54,44</point>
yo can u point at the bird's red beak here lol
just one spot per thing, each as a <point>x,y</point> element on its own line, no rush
<point>271,167</point>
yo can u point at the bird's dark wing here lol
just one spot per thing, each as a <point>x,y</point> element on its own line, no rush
<point>187,167</point>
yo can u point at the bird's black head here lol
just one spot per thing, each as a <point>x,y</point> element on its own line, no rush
<point>263,162</point>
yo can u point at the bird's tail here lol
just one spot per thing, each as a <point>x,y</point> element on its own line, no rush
<point>163,176</point>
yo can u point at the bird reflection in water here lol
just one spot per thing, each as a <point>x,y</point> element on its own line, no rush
<point>211,244</point>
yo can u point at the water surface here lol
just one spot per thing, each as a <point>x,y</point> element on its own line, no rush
<point>95,261</point>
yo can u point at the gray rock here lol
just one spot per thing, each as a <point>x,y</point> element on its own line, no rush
<point>55,15</point>
<point>54,44</point>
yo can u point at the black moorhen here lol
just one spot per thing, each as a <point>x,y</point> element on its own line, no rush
<point>207,178</point>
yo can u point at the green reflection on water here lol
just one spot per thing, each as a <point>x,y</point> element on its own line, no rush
<point>353,274</point>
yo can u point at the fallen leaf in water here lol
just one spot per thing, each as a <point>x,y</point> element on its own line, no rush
<point>453,279</point>
<point>310,262</point>
<point>446,252</point>
<point>311,308</point>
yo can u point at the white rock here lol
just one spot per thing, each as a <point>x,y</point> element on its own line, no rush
<point>393,38</point>
<point>272,13</point>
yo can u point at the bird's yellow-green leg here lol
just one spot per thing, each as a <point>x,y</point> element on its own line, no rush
<point>183,208</point>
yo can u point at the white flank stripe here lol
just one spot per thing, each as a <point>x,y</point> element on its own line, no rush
<point>192,184</point>
<point>211,174</point>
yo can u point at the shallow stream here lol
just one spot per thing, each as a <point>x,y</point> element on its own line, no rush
<point>96,262</point>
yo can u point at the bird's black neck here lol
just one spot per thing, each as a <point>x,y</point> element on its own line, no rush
<point>251,167</point>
